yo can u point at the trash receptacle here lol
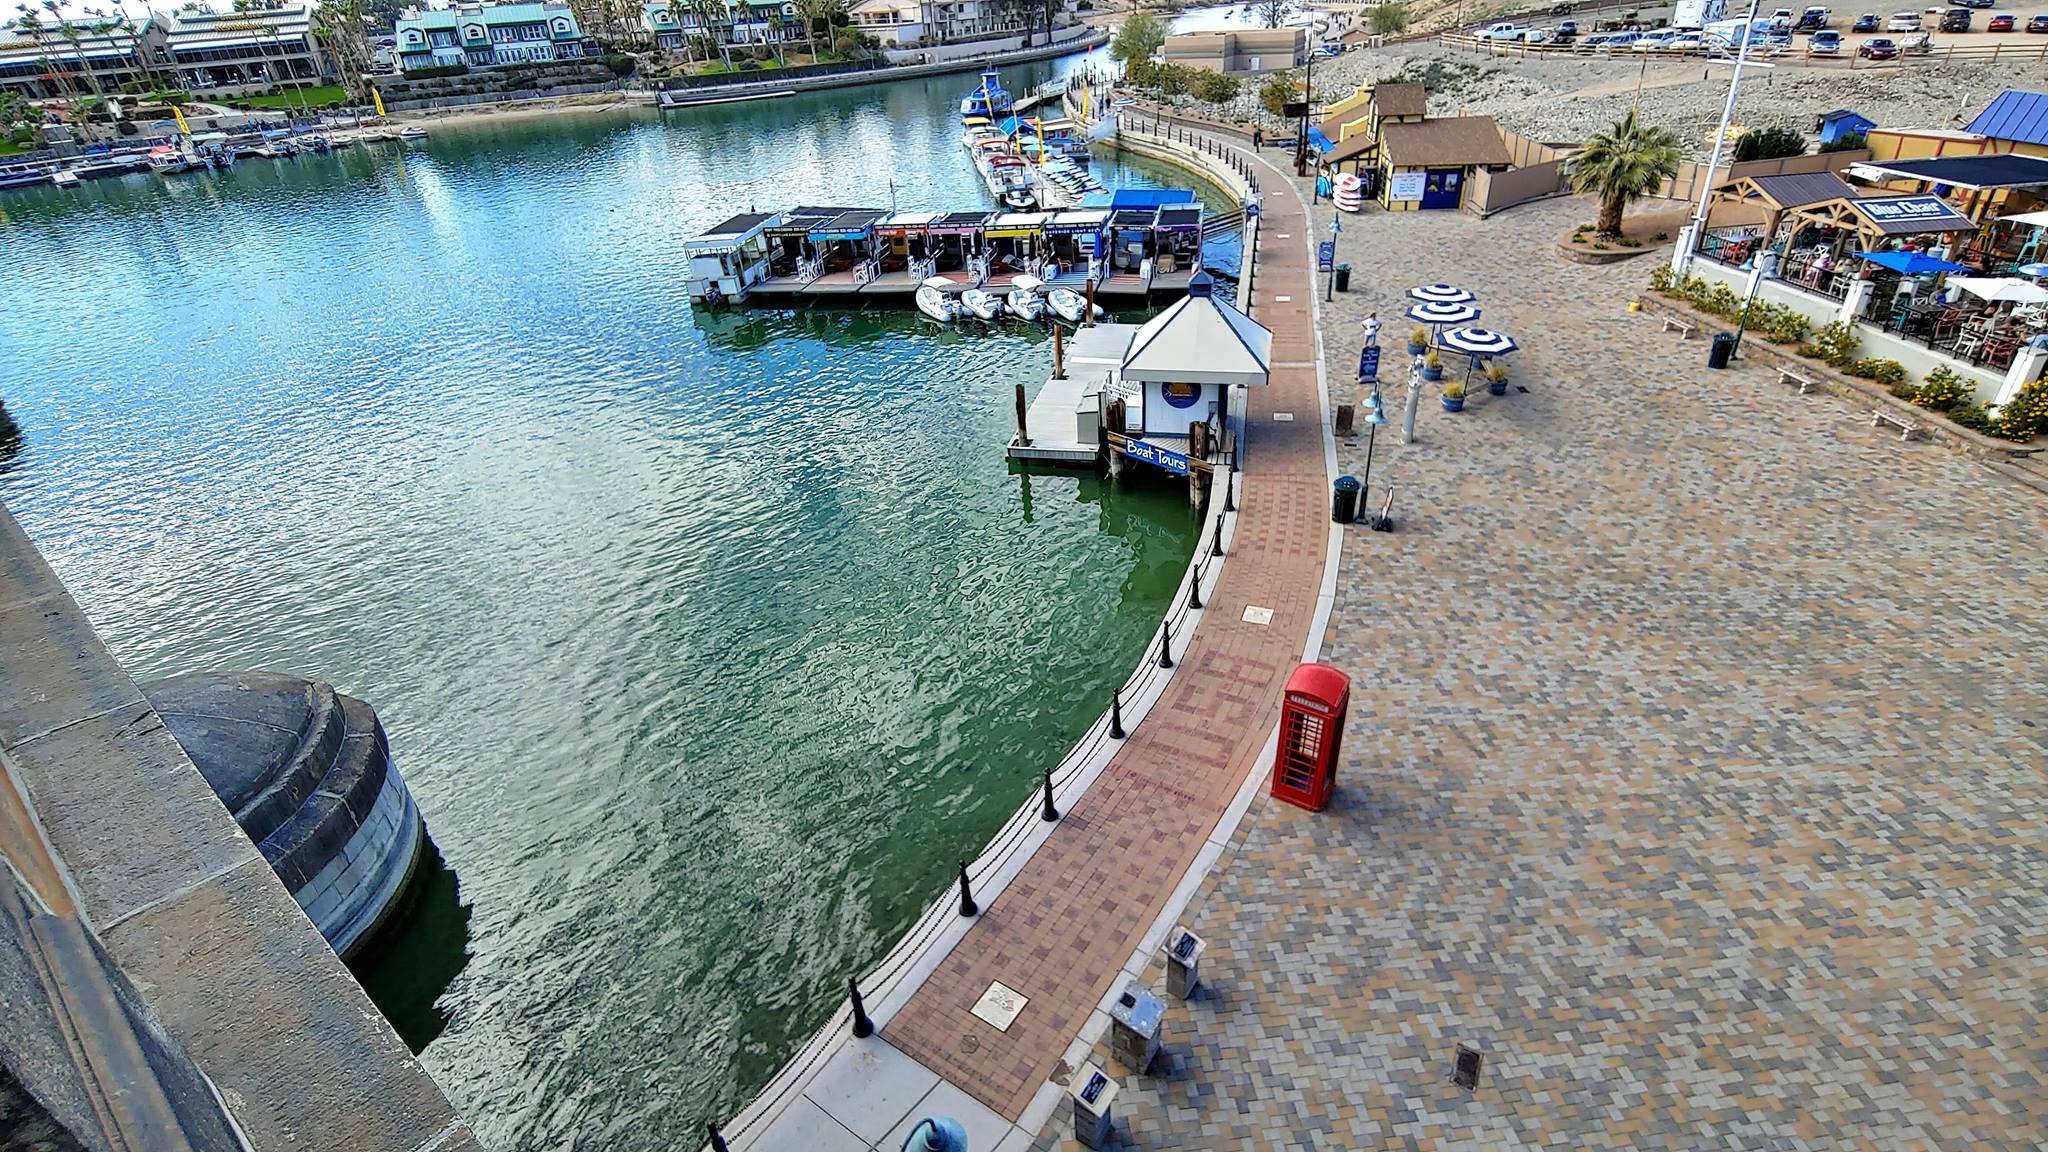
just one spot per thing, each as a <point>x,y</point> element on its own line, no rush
<point>1344,499</point>
<point>1724,347</point>
<point>1343,277</point>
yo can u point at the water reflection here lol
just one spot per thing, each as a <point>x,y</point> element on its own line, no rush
<point>418,953</point>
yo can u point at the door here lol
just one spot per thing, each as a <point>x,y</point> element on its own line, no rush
<point>1442,187</point>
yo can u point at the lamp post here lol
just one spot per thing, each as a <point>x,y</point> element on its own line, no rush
<point>1766,266</point>
<point>1375,415</point>
<point>1308,88</point>
<point>1688,236</point>
<point>1336,226</point>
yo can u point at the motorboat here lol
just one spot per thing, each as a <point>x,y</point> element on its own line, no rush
<point>984,305</point>
<point>165,161</point>
<point>1020,199</point>
<point>64,178</point>
<point>1023,301</point>
<point>1069,305</point>
<point>933,300</point>
<point>414,132</point>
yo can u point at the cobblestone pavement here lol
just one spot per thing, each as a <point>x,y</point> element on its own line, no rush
<point>1695,769</point>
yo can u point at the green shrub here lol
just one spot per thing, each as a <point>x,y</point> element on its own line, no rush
<point>1834,343</point>
<point>2025,415</point>
<point>436,72</point>
<point>1845,143</point>
<point>1904,390</point>
<point>1722,301</point>
<point>620,64</point>
<point>1943,391</point>
<point>1768,144</point>
<point>1969,414</point>
<point>1886,372</point>
<point>1788,327</point>
<point>1660,276</point>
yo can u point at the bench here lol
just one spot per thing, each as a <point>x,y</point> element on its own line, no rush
<point>1684,327</point>
<point>1788,375</point>
<point>1907,427</point>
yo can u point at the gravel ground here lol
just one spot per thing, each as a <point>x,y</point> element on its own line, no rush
<point>1562,100</point>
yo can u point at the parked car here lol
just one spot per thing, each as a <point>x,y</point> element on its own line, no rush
<point>1903,22</point>
<point>1812,19</point>
<point>1878,48</point>
<point>1826,42</point>
<point>2002,22</point>
<point>1561,10</point>
<point>2037,23</point>
<point>1782,18</point>
<point>1505,30</point>
<point>1865,23</point>
<point>1918,44</point>
<point>1535,36</point>
<point>1955,20</point>
<point>1686,42</point>
<point>1977,3</point>
<point>1566,30</point>
<point>1651,41</point>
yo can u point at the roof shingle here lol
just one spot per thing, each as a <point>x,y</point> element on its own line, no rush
<point>1454,141</point>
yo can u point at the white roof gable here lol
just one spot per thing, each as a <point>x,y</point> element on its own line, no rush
<point>1200,340</point>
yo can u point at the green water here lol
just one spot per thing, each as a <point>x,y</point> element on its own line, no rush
<point>707,644</point>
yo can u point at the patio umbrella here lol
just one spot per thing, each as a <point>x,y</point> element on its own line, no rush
<point>1911,263</point>
<point>2031,270</point>
<point>1440,294</point>
<point>1478,342</point>
<point>2001,289</point>
<point>1441,314</point>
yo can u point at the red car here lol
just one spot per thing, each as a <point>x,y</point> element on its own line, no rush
<point>2000,23</point>
<point>1878,48</point>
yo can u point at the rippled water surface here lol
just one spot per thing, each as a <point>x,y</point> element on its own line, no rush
<point>707,644</point>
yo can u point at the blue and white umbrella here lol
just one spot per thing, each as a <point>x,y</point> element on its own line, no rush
<point>2032,270</point>
<point>1440,314</point>
<point>1441,294</point>
<point>1478,342</point>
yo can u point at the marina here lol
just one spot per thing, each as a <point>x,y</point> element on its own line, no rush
<point>180,152</point>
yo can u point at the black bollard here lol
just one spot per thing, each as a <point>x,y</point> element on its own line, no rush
<point>1195,590</point>
<point>1230,484</point>
<point>717,1141</point>
<point>1047,812</point>
<point>967,905</point>
<point>862,1026</point>
<point>1165,644</point>
<point>1216,548</point>
<point>1116,714</point>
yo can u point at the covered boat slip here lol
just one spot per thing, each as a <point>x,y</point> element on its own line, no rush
<point>1129,251</point>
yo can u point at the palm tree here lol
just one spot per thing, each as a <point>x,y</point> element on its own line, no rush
<point>715,20</point>
<point>1622,165</point>
<point>810,12</point>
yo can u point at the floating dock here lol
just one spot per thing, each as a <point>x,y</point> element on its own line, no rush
<point>1130,244</point>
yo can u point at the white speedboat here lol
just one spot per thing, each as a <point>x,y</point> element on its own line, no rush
<point>1023,300</point>
<point>413,133</point>
<point>933,301</point>
<point>64,178</point>
<point>984,305</point>
<point>1069,305</point>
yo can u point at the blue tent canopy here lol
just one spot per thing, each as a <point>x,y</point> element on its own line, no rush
<point>1010,126</point>
<point>1911,263</point>
<point>1321,142</point>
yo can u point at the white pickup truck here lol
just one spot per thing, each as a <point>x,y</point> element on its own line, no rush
<point>1505,30</point>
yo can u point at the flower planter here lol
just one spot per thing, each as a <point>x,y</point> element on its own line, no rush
<point>1416,349</point>
<point>1497,387</point>
<point>1429,373</point>
<point>1453,403</point>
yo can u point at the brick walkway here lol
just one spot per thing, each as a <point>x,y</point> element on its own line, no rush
<point>1695,772</point>
<point>1068,924</point>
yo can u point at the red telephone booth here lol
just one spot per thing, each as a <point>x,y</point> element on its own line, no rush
<point>1311,734</point>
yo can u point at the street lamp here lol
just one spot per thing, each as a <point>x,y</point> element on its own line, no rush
<point>1765,266</point>
<point>1330,285</point>
<point>1375,415</point>
<point>1688,236</point>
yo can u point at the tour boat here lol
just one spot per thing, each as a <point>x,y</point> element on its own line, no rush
<point>1069,305</point>
<point>988,101</point>
<point>1023,300</point>
<point>933,301</point>
<point>984,305</point>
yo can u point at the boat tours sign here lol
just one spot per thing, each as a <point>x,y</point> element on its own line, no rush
<point>1406,186</point>
<point>1181,394</point>
<point>1156,456</point>
<point>1369,362</point>
<point>1326,255</point>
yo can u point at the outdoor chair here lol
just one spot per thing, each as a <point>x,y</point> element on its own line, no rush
<point>1969,342</point>
<point>1999,349</point>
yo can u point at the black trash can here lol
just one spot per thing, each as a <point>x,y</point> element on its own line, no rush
<point>1344,500</point>
<point>1343,277</point>
<point>1724,347</point>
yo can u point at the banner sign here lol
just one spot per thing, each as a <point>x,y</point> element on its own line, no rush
<point>1909,208</point>
<point>1156,456</point>
<point>1326,255</point>
<point>1405,186</point>
<point>1369,362</point>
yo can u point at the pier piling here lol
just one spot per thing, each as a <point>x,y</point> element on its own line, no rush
<point>862,1026</point>
<point>1046,811</point>
<point>967,905</point>
<point>1023,432</point>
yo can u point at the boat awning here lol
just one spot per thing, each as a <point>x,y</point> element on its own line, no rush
<point>733,233</point>
<point>1972,173</point>
<point>1076,223</point>
<point>1018,224</point>
<point>795,224</point>
<point>2031,219</point>
<point>904,223</point>
<point>1200,340</point>
<point>1134,218</point>
<point>1911,215</point>
<point>958,224</point>
<point>1181,218</point>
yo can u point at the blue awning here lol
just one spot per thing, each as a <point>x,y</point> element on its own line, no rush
<point>1320,142</point>
<point>1911,263</point>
